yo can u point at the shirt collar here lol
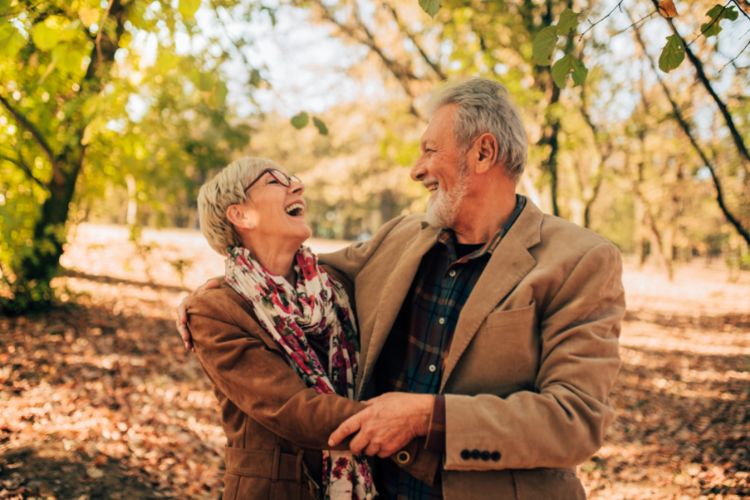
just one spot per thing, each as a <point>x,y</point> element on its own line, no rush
<point>448,237</point>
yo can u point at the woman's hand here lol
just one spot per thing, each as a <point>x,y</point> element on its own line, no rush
<point>181,320</point>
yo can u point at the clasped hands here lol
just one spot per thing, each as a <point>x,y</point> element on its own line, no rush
<point>386,425</point>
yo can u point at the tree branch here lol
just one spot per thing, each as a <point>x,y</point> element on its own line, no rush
<point>432,64</point>
<point>29,127</point>
<point>403,75</point>
<point>24,167</point>
<point>593,24</point>
<point>698,65</point>
<point>687,129</point>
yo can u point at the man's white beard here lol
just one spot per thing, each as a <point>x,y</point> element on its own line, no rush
<point>443,206</point>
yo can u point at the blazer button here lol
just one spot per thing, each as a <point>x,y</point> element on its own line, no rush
<point>403,457</point>
<point>485,455</point>
<point>475,454</point>
<point>495,455</point>
<point>465,454</point>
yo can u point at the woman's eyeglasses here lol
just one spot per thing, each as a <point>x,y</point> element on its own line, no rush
<point>282,178</point>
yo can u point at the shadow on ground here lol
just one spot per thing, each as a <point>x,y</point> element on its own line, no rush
<point>51,471</point>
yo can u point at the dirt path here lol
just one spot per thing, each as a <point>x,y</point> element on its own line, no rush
<point>99,399</point>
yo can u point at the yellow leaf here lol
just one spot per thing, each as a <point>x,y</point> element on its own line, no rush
<point>88,15</point>
<point>667,8</point>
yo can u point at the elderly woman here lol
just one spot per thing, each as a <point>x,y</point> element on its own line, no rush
<point>278,340</point>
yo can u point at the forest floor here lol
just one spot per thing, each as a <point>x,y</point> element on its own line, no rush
<point>98,398</point>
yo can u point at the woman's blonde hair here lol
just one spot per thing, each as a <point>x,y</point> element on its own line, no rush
<point>225,189</point>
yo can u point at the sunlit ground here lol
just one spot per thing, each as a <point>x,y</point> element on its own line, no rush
<point>99,398</point>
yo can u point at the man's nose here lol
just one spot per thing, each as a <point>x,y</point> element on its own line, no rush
<point>418,171</point>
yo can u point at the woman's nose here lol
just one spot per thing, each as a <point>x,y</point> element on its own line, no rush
<point>297,187</point>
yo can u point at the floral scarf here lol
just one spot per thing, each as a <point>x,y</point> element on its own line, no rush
<point>316,306</point>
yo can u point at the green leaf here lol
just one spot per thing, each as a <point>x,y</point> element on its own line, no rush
<point>716,14</point>
<point>580,72</point>
<point>561,68</point>
<point>320,125</point>
<point>672,54</point>
<point>11,41</point>
<point>544,45</point>
<point>430,6</point>
<point>68,58</point>
<point>48,33</point>
<point>254,78</point>
<point>188,8</point>
<point>300,120</point>
<point>568,64</point>
<point>568,22</point>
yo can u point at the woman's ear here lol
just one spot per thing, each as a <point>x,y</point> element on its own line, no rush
<point>241,217</point>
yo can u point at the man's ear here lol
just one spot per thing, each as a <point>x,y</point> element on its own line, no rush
<point>241,217</point>
<point>486,151</point>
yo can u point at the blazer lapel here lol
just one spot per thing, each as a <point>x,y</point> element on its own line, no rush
<point>509,263</point>
<point>392,297</point>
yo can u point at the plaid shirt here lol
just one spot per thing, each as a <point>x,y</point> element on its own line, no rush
<point>413,355</point>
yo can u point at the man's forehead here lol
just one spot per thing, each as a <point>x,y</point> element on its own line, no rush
<point>440,123</point>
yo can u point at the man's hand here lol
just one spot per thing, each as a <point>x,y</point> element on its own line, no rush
<point>181,320</point>
<point>387,424</point>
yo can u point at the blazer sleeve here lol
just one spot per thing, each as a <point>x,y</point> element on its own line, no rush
<point>563,421</point>
<point>257,379</point>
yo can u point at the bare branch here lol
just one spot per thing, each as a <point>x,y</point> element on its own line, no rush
<point>635,24</point>
<point>24,167</point>
<point>360,33</point>
<point>432,64</point>
<point>30,127</point>
<point>698,65</point>
<point>742,11</point>
<point>731,61</point>
<point>687,129</point>
<point>98,40</point>
<point>607,15</point>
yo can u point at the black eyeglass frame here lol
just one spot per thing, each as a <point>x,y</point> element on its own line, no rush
<point>283,178</point>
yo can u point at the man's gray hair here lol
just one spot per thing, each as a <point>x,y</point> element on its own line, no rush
<point>225,189</point>
<point>484,106</point>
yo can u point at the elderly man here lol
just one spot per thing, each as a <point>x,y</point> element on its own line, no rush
<point>498,323</point>
<point>492,326</point>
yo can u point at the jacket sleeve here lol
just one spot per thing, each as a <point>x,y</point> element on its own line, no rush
<point>348,261</point>
<point>258,380</point>
<point>563,421</point>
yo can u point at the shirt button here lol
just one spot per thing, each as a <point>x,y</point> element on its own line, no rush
<point>432,368</point>
<point>452,273</point>
<point>441,321</point>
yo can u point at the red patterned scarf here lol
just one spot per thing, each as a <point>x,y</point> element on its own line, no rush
<point>316,306</point>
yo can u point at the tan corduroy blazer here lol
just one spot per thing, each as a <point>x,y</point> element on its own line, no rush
<point>275,426</point>
<point>533,357</point>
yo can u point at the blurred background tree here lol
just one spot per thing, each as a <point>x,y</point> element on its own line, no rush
<point>637,113</point>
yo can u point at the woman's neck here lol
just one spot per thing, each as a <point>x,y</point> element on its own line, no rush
<point>276,257</point>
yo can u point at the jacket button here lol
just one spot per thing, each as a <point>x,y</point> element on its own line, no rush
<point>485,455</point>
<point>475,454</point>
<point>465,454</point>
<point>495,455</point>
<point>403,457</point>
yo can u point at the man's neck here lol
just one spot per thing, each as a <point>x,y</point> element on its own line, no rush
<point>479,222</point>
